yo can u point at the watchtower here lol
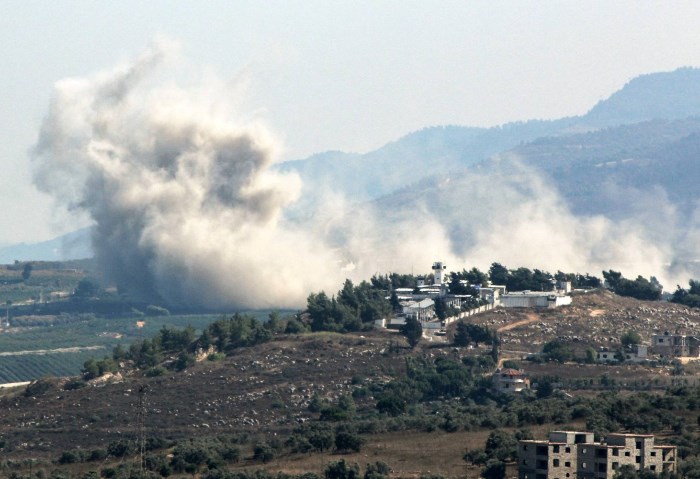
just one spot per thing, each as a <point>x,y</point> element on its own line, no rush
<point>439,272</point>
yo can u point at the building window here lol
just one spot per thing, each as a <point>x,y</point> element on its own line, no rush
<point>653,454</point>
<point>583,450</point>
<point>615,465</point>
<point>524,462</point>
<point>555,462</point>
<point>627,454</point>
<point>568,449</point>
<point>567,464</point>
<point>524,447</point>
<point>653,468</point>
<point>638,460</point>
<point>615,452</point>
<point>567,474</point>
<point>638,444</point>
<point>583,465</point>
<point>555,449</point>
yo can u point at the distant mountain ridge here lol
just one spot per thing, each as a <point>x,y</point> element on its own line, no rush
<point>437,150</point>
<point>74,245</point>
<point>663,95</point>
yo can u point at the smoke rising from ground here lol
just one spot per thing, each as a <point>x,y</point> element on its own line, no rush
<point>187,209</point>
<point>510,213</point>
<point>185,206</point>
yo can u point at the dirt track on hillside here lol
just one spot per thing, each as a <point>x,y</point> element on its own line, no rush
<point>531,318</point>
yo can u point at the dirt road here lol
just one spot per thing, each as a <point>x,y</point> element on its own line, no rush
<point>531,318</point>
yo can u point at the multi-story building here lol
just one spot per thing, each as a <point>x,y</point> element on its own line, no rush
<point>510,381</point>
<point>675,345</point>
<point>575,455</point>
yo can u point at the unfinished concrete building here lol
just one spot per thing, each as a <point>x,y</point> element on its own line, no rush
<point>675,345</point>
<point>573,454</point>
<point>510,381</point>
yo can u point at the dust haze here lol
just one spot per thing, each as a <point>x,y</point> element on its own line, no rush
<point>188,208</point>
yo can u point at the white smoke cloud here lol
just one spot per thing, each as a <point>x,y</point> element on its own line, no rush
<point>184,204</point>
<point>512,215</point>
<point>187,209</point>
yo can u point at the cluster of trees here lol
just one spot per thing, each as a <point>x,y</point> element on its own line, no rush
<point>187,456</point>
<point>392,281</point>
<point>322,436</point>
<point>354,308</point>
<point>500,447</point>
<point>427,380</point>
<point>464,282</point>
<point>640,288</point>
<point>688,297</point>
<point>467,334</point>
<point>521,279</point>
<point>176,347</point>
<point>151,352</point>
<point>238,331</point>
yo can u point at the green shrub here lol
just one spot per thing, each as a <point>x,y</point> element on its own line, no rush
<point>184,361</point>
<point>98,455</point>
<point>156,371</point>
<point>346,441</point>
<point>40,387</point>
<point>341,470</point>
<point>74,384</point>
<point>264,452</point>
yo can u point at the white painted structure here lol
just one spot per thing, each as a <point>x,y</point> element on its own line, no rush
<point>423,310</point>
<point>439,272</point>
<point>634,354</point>
<point>492,294</point>
<point>529,299</point>
<point>564,286</point>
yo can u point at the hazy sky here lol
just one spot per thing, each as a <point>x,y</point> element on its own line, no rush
<point>337,74</point>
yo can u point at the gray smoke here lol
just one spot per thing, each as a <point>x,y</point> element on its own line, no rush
<point>186,207</point>
<point>510,213</point>
<point>184,204</point>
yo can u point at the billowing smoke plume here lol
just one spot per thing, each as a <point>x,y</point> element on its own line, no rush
<point>187,209</point>
<point>184,204</point>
